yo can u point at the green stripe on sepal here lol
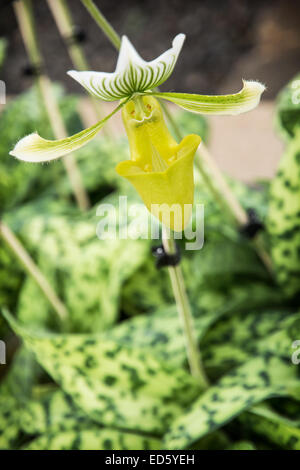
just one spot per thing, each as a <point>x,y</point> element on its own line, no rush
<point>132,74</point>
<point>34,148</point>
<point>245,100</point>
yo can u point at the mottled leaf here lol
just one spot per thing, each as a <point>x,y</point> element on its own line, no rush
<point>257,380</point>
<point>115,385</point>
<point>52,412</point>
<point>284,220</point>
<point>272,426</point>
<point>15,388</point>
<point>288,108</point>
<point>93,438</point>
<point>87,272</point>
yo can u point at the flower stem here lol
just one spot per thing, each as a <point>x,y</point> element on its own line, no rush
<point>105,26</point>
<point>232,204</point>
<point>33,270</point>
<point>224,196</point>
<point>23,10</point>
<point>185,313</point>
<point>64,23</point>
<point>209,170</point>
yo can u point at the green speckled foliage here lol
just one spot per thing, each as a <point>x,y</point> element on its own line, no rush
<point>23,115</point>
<point>256,380</point>
<point>288,109</point>
<point>115,385</point>
<point>222,327</point>
<point>15,390</point>
<point>284,219</point>
<point>93,438</point>
<point>87,273</point>
<point>242,445</point>
<point>277,429</point>
<point>264,373</point>
<point>52,421</point>
<point>115,374</point>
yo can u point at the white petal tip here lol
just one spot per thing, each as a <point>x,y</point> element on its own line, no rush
<point>178,40</point>
<point>124,38</point>
<point>72,73</point>
<point>255,86</point>
<point>24,149</point>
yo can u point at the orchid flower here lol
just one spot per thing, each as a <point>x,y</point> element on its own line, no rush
<point>134,84</point>
<point>160,169</point>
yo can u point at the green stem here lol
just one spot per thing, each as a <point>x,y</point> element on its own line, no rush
<point>213,179</point>
<point>23,10</point>
<point>185,313</point>
<point>225,198</point>
<point>107,29</point>
<point>65,25</point>
<point>33,270</point>
<point>209,170</point>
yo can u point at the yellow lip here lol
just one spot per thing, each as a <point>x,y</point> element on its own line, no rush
<point>160,169</point>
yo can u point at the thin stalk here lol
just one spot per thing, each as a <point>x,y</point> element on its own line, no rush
<point>23,10</point>
<point>231,201</point>
<point>112,35</point>
<point>65,25</point>
<point>224,196</point>
<point>185,313</point>
<point>213,178</point>
<point>258,244</point>
<point>106,27</point>
<point>233,206</point>
<point>33,270</point>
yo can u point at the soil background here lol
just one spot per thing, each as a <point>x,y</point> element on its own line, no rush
<point>226,40</point>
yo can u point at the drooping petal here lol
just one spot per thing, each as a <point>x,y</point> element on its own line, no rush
<point>132,74</point>
<point>245,100</point>
<point>34,148</point>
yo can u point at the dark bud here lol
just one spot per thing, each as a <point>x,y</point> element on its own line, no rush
<point>78,36</point>
<point>31,70</point>
<point>165,259</point>
<point>253,226</point>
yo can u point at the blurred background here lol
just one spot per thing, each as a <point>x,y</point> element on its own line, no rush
<point>227,40</point>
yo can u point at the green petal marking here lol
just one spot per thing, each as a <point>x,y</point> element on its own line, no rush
<point>34,148</point>
<point>132,74</point>
<point>245,100</point>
